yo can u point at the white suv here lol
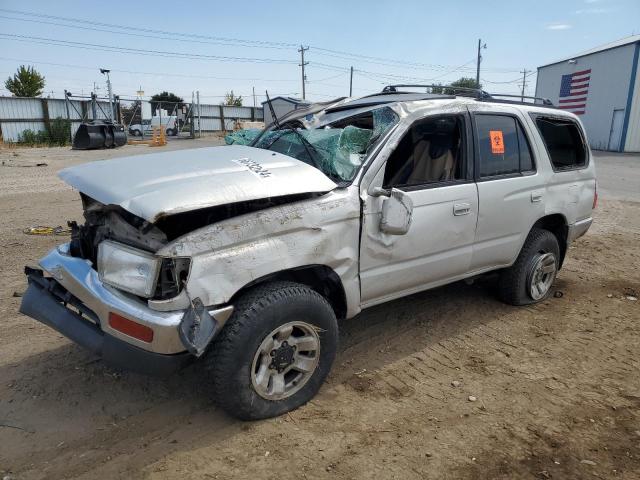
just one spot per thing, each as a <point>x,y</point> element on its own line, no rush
<point>244,257</point>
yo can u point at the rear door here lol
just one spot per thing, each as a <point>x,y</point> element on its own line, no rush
<point>511,192</point>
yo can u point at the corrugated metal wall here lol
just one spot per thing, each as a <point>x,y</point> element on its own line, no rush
<point>20,114</point>
<point>608,89</point>
<point>633,125</point>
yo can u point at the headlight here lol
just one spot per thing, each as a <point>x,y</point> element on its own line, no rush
<point>128,268</point>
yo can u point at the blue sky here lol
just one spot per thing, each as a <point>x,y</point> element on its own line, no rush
<point>411,40</point>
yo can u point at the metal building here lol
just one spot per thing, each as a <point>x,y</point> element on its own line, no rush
<point>602,86</point>
<point>282,105</point>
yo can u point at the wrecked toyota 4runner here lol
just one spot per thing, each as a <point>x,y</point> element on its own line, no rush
<point>242,258</point>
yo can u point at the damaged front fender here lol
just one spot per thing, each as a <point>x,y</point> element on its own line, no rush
<point>230,254</point>
<point>199,326</point>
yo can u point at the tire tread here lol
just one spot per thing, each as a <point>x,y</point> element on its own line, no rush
<point>512,282</point>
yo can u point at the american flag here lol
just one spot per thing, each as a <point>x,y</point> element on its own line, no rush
<point>574,89</point>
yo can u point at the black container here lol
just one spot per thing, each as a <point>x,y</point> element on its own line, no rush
<point>99,134</point>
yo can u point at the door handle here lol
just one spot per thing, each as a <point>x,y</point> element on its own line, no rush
<point>461,209</point>
<point>536,196</point>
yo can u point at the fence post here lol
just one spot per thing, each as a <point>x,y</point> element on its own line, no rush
<point>116,104</point>
<point>84,110</point>
<point>93,106</point>
<point>66,106</point>
<point>253,114</point>
<point>224,127</point>
<point>45,115</point>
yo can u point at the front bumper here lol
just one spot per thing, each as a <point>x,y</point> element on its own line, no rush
<point>48,302</point>
<point>74,282</point>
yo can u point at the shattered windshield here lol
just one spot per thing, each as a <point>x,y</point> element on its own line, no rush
<point>337,149</point>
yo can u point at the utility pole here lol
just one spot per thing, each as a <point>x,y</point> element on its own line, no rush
<point>351,83</point>
<point>254,97</point>
<point>302,64</point>
<point>480,46</point>
<point>524,83</point>
<point>105,71</point>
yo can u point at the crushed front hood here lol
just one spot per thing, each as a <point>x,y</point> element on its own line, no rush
<point>159,184</point>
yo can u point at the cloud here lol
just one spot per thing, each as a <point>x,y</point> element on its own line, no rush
<point>592,11</point>
<point>558,26</point>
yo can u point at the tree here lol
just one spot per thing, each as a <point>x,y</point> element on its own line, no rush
<point>464,82</point>
<point>131,114</point>
<point>27,82</point>
<point>171,99</point>
<point>231,100</point>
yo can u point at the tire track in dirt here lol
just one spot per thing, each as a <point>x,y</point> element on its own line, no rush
<point>540,375</point>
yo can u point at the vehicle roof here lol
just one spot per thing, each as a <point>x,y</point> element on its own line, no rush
<point>416,101</point>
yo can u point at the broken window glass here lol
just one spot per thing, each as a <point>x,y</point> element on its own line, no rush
<point>383,119</point>
<point>337,149</point>
<point>242,137</point>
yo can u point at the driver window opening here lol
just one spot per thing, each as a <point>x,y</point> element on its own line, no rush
<point>430,152</point>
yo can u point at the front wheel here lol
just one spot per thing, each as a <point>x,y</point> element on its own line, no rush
<point>530,278</point>
<point>274,352</point>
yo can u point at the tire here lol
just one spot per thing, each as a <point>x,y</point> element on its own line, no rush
<point>236,362</point>
<point>516,283</point>
<point>171,132</point>
<point>136,133</point>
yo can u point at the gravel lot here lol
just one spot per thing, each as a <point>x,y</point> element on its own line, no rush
<point>556,385</point>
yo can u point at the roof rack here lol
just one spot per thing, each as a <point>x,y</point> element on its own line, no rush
<point>477,93</point>
<point>545,101</point>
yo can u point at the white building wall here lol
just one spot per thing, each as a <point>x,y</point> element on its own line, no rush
<point>632,143</point>
<point>608,88</point>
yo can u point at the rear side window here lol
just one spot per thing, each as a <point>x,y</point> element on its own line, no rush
<point>564,143</point>
<point>503,147</point>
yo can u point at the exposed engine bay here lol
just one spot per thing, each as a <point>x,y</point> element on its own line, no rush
<point>112,222</point>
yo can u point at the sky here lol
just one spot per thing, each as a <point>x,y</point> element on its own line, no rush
<point>214,47</point>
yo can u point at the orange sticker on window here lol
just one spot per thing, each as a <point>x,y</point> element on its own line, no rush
<point>497,142</point>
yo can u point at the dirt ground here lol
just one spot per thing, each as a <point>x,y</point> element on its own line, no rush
<point>556,385</point>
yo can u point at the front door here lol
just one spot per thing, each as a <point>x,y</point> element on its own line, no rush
<point>432,165</point>
<point>615,135</point>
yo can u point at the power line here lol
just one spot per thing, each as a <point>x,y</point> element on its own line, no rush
<point>38,62</point>
<point>149,30</point>
<point>160,53</point>
<point>141,35</point>
<point>167,35</point>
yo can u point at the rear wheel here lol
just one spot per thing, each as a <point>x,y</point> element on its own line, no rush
<point>530,278</point>
<point>274,352</point>
<point>172,132</point>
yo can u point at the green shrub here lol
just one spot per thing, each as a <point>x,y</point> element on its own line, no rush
<point>33,138</point>
<point>58,135</point>
<point>59,132</point>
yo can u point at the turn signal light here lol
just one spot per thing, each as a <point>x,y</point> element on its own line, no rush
<point>131,328</point>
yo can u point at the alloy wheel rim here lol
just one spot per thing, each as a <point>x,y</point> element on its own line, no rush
<point>285,360</point>
<point>543,273</point>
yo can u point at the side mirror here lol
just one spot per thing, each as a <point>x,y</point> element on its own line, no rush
<point>396,213</point>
